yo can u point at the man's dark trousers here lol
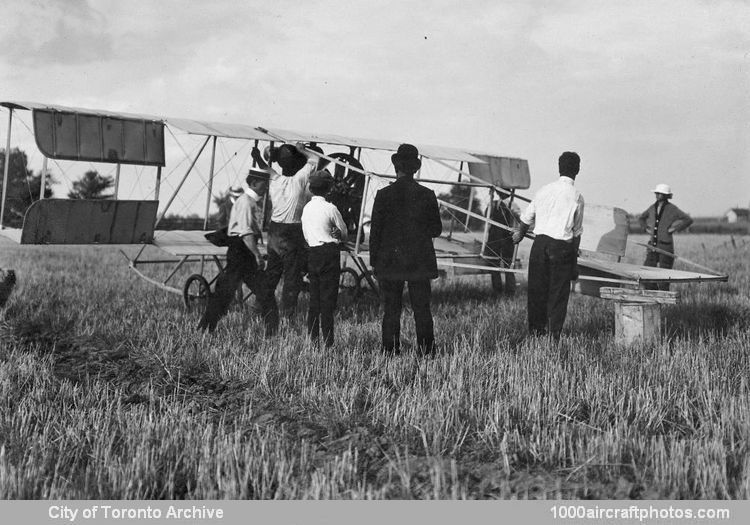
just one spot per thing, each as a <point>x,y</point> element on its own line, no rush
<point>241,267</point>
<point>419,296</point>
<point>286,256</point>
<point>324,269</point>
<point>552,264</point>
<point>505,251</point>
<point>660,260</point>
<point>500,244</point>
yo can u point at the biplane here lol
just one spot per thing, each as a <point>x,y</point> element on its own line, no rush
<point>131,140</point>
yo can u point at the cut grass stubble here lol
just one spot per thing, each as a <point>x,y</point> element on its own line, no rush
<point>109,393</point>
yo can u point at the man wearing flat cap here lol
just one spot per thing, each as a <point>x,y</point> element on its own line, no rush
<point>324,230</point>
<point>660,221</point>
<point>556,213</point>
<point>405,219</point>
<point>243,257</point>
<point>286,244</point>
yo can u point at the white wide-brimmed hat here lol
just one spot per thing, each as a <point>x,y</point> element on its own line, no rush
<point>663,188</point>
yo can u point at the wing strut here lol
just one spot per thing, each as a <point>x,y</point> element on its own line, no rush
<point>6,167</point>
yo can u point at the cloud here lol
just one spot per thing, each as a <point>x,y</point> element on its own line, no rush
<point>629,84</point>
<point>46,33</point>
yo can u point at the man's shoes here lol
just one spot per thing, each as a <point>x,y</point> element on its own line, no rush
<point>391,351</point>
<point>205,325</point>
<point>428,349</point>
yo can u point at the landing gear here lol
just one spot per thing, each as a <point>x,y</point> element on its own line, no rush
<point>195,292</point>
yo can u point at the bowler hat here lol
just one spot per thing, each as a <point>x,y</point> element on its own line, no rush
<point>407,158</point>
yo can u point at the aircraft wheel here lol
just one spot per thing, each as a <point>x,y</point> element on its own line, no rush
<point>195,292</point>
<point>349,283</point>
<point>348,187</point>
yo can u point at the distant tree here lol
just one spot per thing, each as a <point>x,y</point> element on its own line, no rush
<point>459,195</point>
<point>23,187</point>
<point>92,186</point>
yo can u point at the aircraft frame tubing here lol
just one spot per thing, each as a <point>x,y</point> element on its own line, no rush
<point>178,264</point>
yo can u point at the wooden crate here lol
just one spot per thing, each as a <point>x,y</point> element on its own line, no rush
<point>638,313</point>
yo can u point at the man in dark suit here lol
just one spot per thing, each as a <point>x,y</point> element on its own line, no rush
<point>405,219</point>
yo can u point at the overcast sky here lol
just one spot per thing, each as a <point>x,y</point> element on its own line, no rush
<point>645,91</point>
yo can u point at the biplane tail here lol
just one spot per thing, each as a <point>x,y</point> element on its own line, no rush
<point>92,136</point>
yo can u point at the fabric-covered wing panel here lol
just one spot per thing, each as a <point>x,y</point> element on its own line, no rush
<point>73,221</point>
<point>98,138</point>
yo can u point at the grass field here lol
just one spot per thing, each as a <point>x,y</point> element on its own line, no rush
<point>107,392</point>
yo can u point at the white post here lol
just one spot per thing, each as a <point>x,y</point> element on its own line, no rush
<point>210,183</point>
<point>360,226</point>
<point>487,215</point>
<point>44,178</point>
<point>6,167</point>
<point>453,218</point>
<point>471,202</point>
<point>158,183</point>
<point>117,180</point>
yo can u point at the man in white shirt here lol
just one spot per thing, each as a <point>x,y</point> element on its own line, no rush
<point>324,229</point>
<point>243,256</point>
<point>286,244</point>
<point>556,213</point>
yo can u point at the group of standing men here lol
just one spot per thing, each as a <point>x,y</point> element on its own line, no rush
<point>405,219</point>
<point>286,247</point>
<point>307,235</point>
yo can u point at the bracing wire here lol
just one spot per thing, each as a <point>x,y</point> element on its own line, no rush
<point>187,157</point>
<point>138,175</point>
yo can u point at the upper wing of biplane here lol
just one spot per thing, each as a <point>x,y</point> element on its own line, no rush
<point>244,131</point>
<point>92,135</point>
